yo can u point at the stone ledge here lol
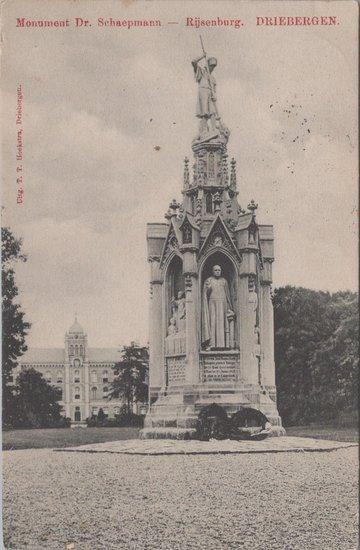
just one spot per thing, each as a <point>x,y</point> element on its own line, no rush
<point>167,432</point>
<point>223,351</point>
<point>151,447</point>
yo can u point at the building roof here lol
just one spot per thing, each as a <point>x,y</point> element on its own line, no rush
<point>103,354</point>
<point>57,355</point>
<point>76,327</point>
<point>43,355</point>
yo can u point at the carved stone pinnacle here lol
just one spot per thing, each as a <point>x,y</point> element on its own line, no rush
<point>252,206</point>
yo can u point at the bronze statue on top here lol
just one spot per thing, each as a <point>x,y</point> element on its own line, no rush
<point>206,109</point>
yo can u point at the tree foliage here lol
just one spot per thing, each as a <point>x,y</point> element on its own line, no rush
<point>131,375</point>
<point>315,354</point>
<point>101,416</point>
<point>14,326</point>
<point>36,402</point>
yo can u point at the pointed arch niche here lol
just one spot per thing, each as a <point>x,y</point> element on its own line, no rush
<point>230,273</point>
<point>174,284</point>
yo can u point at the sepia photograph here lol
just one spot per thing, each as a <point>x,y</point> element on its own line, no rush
<point>179,274</point>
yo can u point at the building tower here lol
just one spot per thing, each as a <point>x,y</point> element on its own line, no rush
<point>76,396</point>
<point>211,314</point>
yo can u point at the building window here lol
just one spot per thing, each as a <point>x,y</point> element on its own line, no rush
<point>60,394</point>
<point>211,166</point>
<point>77,392</point>
<point>193,204</point>
<point>105,376</point>
<point>76,350</point>
<point>77,376</point>
<point>106,411</point>
<point>81,351</point>
<point>59,377</point>
<point>93,376</point>
<point>209,203</point>
<point>105,392</point>
<point>116,410</point>
<point>94,411</point>
<point>11,379</point>
<point>93,392</point>
<point>48,376</point>
<point>71,352</point>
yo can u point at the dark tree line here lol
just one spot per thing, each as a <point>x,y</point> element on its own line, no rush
<point>14,326</point>
<point>316,354</point>
<point>28,401</point>
<point>35,403</point>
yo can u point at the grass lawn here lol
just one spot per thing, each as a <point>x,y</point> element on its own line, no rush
<point>324,432</point>
<point>71,437</point>
<point>64,437</point>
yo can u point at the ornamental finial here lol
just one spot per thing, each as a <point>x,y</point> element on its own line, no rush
<point>233,174</point>
<point>174,206</point>
<point>186,173</point>
<point>225,172</point>
<point>252,206</point>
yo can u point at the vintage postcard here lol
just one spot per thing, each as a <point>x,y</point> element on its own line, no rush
<point>179,274</point>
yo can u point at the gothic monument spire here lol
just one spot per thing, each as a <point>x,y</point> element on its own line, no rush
<point>211,320</point>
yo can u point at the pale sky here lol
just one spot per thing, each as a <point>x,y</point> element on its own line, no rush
<point>97,101</point>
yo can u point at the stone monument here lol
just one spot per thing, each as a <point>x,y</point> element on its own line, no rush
<point>211,314</point>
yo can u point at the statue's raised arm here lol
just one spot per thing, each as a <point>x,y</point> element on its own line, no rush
<point>195,62</point>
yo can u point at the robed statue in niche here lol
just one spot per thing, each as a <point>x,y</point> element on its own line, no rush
<point>179,311</point>
<point>217,312</point>
<point>175,341</point>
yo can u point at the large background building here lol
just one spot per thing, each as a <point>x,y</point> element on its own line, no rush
<point>83,374</point>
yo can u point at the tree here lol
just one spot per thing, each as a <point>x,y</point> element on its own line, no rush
<point>15,328</point>
<point>36,401</point>
<point>335,363</point>
<point>301,323</point>
<point>101,416</point>
<point>315,354</point>
<point>131,375</point>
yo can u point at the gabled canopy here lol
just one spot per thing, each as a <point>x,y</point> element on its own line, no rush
<point>190,218</point>
<point>245,221</point>
<point>173,239</point>
<point>219,237</point>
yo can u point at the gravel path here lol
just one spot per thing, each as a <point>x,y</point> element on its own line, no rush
<point>290,501</point>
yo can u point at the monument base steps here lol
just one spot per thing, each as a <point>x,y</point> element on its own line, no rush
<point>174,415</point>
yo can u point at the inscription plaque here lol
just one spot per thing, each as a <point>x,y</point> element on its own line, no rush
<point>219,367</point>
<point>175,369</point>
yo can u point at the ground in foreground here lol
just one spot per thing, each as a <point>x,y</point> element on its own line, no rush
<point>251,501</point>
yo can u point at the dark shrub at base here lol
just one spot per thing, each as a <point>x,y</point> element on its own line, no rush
<point>248,423</point>
<point>213,423</point>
